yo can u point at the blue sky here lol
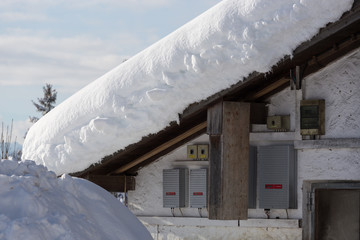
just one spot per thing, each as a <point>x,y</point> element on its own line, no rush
<point>71,43</point>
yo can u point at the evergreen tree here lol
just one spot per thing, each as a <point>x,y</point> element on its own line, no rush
<point>46,103</point>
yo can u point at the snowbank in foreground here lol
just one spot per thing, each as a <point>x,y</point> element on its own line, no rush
<point>35,205</point>
<point>147,92</point>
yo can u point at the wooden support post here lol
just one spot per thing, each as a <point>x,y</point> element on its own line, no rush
<point>228,128</point>
<point>113,183</point>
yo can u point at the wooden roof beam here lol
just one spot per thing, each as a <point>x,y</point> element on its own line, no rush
<point>269,89</point>
<point>162,147</point>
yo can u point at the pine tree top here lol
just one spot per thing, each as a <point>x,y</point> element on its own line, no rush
<point>46,103</point>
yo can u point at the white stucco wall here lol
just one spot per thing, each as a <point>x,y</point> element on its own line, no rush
<point>339,85</point>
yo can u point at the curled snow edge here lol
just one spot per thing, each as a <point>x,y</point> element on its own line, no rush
<point>146,93</point>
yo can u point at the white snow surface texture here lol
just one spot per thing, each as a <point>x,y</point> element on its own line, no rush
<point>36,205</point>
<point>144,94</point>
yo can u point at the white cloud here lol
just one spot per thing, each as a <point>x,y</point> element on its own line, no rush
<point>20,16</point>
<point>138,4</point>
<point>72,62</point>
<point>115,3</point>
<point>135,3</point>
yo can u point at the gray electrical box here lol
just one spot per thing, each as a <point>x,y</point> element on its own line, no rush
<point>252,177</point>
<point>277,174</point>
<point>198,188</point>
<point>175,188</point>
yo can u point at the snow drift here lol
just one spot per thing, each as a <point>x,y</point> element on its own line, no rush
<point>34,204</point>
<point>143,95</point>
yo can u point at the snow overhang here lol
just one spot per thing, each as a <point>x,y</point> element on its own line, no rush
<point>331,43</point>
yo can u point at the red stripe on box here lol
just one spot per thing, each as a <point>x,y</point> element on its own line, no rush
<point>197,193</point>
<point>273,186</point>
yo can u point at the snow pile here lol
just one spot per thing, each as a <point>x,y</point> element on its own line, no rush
<point>34,204</point>
<point>147,92</point>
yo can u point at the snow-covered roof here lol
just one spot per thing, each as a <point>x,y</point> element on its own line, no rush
<point>144,94</point>
<point>35,204</point>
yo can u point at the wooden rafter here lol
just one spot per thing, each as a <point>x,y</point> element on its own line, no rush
<point>162,147</point>
<point>269,88</point>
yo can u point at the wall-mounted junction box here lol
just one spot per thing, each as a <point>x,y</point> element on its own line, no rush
<point>278,123</point>
<point>203,151</point>
<point>277,174</point>
<point>198,188</point>
<point>312,117</point>
<point>198,152</point>
<point>175,188</point>
<point>192,151</point>
<point>252,177</point>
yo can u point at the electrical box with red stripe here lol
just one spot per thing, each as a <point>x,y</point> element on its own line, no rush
<point>277,174</point>
<point>198,188</point>
<point>175,188</point>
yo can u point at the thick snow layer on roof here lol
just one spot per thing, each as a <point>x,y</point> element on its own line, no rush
<point>147,92</point>
<point>35,205</point>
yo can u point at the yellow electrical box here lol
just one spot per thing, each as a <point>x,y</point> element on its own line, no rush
<point>273,122</point>
<point>192,152</point>
<point>203,152</point>
<point>312,117</point>
<point>278,123</point>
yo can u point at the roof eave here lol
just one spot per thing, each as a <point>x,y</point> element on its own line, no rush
<point>331,43</point>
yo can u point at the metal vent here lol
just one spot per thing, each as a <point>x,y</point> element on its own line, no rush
<point>198,188</point>
<point>175,186</point>
<point>252,177</point>
<point>277,177</point>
